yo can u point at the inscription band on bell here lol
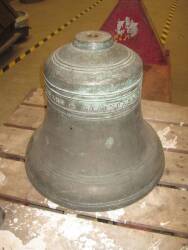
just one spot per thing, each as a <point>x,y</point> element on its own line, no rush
<point>97,108</point>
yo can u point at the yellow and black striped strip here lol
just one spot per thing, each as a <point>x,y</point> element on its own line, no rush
<point>48,37</point>
<point>168,22</point>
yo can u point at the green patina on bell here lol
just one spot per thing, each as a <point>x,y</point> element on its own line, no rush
<point>94,151</point>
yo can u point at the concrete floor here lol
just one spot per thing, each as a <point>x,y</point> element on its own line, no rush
<point>47,15</point>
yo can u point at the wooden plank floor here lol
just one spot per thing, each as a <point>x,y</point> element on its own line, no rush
<point>159,218</point>
<point>74,233</point>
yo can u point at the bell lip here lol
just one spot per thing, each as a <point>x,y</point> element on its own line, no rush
<point>102,207</point>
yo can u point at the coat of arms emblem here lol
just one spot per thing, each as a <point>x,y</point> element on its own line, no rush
<point>125,29</point>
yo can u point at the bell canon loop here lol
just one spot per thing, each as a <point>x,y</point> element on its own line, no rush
<point>94,151</point>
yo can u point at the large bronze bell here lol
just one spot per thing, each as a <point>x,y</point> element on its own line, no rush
<point>94,151</point>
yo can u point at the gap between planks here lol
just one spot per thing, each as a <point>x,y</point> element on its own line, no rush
<point>128,224</point>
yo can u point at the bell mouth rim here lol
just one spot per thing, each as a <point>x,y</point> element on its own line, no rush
<point>99,207</point>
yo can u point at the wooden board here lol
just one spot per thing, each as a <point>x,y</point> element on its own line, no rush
<point>32,228</point>
<point>164,210</point>
<point>171,113</point>
<point>150,210</point>
<point>176,168</point>
<point>35,97</point>
<point>172,136</point>
<point>14,182</point>
<point>14,140</point>
<point>27,117</point>
<point>165,112</point>
<point>31,117</point>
